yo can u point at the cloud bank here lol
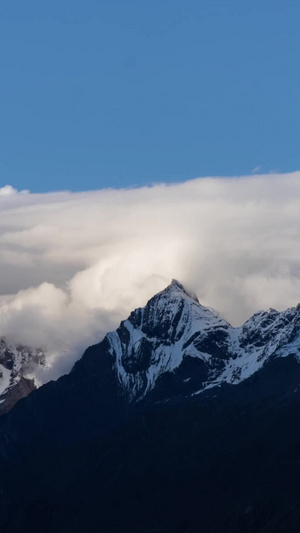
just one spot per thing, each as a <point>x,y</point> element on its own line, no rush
<point>73,265</point>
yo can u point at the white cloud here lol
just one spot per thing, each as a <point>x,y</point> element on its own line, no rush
<point>7,190</point>
<point>73,264</point>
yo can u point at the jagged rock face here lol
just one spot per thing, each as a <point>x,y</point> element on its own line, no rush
<point>172,350</point>
<point>158,338</point>
<point>173,345</point>
<point>16,362</point>
<point>178,420</point>
<point>175,334</point>
<point>16,392</point>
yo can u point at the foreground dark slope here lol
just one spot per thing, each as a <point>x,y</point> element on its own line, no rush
<point>81,455</point>
<point>186,468</point>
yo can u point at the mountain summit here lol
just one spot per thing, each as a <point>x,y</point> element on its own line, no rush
<point>180,421</point>
<point>157,338</point>
<point>176,287</point>
<point>175,334</point>
<point>174,347</point>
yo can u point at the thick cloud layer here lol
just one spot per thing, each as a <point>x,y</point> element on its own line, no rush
<point>73,265</point>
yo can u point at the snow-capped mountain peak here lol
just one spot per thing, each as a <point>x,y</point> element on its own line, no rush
<point>173,346</point>
<point>176,288</point>
<point>155,339</point>
<point>175,334</point>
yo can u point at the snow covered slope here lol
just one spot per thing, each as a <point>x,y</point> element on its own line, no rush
<point>175,336</point>
<point>17,362</point>
<point>173,346</point>
<point>177,416</point>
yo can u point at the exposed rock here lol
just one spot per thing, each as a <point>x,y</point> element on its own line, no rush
<point>16,363</point>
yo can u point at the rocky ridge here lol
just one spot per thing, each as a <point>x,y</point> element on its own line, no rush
<point>175,334</point>
<point>17,362</point>
<point>179,421</point>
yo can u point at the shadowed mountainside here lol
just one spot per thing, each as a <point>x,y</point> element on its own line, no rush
<point>155,431</point>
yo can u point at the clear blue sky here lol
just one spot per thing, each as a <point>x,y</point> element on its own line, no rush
<point>100,93</point>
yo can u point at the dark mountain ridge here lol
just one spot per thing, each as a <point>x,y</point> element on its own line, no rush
<point>174,423</point>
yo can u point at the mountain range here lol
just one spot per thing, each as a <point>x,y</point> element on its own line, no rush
<point>177,422</point>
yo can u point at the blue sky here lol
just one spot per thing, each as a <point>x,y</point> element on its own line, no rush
<point>120,93</point>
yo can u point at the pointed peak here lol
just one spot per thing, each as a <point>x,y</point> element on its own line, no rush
<point>176,286</point>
